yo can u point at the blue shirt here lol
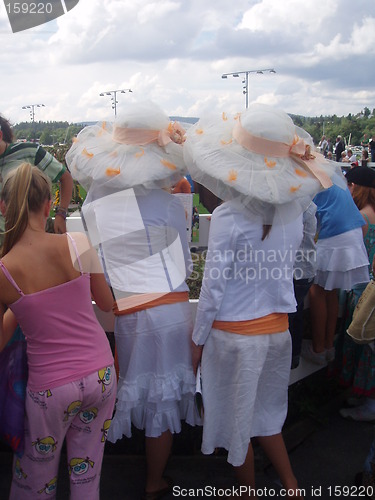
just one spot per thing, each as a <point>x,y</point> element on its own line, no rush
<point>336,212</point>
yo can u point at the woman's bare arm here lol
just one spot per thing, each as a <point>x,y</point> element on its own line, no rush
<point>8,324</point>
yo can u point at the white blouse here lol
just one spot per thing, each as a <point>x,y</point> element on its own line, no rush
<point>142,238</point>
<point>246,278</point>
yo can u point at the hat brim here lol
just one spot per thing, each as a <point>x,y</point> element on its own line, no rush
<point>215,160</point>
<point>94,156</point>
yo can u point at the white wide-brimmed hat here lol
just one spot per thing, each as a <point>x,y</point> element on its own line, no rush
<point>258,157</point>
<point>141,148</point>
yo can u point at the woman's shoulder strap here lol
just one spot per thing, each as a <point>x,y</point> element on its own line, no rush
<point>76,251</point>
<point>9,278</point>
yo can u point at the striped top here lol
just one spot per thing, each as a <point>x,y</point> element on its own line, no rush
<point>29,152</point>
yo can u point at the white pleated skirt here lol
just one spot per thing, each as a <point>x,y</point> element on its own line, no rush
<point>342,261</point>
<point>245,389</point>
<point>156,386</point>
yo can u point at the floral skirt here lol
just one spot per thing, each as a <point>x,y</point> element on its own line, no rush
<point>355,363</point>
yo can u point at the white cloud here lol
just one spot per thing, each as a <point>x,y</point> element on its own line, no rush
<point>175,51</point>
<point>156,10</point>
<point>288,15</point>
<point>361,42</point>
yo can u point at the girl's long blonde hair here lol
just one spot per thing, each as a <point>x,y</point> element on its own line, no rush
<point>25,190</point>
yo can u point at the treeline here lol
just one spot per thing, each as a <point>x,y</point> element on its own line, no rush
<point>354,128</point>
<point>47,133</point>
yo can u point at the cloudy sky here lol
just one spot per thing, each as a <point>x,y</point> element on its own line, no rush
<point>174,52</point>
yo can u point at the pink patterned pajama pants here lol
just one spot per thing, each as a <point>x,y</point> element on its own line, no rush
<point>79,412</point>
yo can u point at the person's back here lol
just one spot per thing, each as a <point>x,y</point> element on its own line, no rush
<point>140,245</point>
<point>71,387</point>
<point>43,298</point>
<point>342,262</point>
<point>150,243</point>
<point>336,212</point>
<point>257,273</point>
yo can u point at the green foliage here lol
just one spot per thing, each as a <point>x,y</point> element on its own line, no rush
<point>47,133</point>
<point>194,282</point>
<point>58,151</point>
<point>353,128</point>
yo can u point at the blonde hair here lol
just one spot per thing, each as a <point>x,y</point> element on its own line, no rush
<point>25,190</point>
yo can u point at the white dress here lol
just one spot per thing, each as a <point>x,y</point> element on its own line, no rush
<point>245,377</point>
<point>145,250</point>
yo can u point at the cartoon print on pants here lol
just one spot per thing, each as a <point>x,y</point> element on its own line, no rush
<point>79,466</point>
<point>88,415</point>
<point>105,429</point>
<point>45,445</point>
<point>48,393</point>
<point>72,410</point>
<point>49,488</point>
<point>18,471</point>
<point>105,376</point>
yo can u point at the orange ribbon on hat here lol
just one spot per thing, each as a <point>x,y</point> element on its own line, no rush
<point>299,151</point>
<point>141,137</point>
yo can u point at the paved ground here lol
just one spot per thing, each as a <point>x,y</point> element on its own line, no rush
<point>326,452</point>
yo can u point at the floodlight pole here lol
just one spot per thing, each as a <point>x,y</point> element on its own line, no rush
<point>236,74</point>
<point>113,94</point>
<point>32,107</point>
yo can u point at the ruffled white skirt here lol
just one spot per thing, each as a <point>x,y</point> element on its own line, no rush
<point>342,261</point>
<point>156,386</point>
<point>244,389</point>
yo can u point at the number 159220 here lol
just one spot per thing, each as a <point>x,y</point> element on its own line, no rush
<point>29,8</point>
<point>351,491</point>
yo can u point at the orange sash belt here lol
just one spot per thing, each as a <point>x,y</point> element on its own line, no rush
<point>272,323</point>
<point>143,301</point>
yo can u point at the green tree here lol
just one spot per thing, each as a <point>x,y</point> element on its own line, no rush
<point>46,137</point>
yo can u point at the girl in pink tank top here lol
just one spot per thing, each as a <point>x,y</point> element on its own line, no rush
<point>46,285</point>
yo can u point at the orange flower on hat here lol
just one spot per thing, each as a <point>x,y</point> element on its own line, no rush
<point>232,176</point>
<point>111,172</point>
<point>141,153</point>
<point>103,128</point>
<point>301,173</point>
<point>87,154</point>
<point>168,164</point>
<point>269,163</point>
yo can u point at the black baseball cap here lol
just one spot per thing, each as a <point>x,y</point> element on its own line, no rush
<point>362,176</point>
